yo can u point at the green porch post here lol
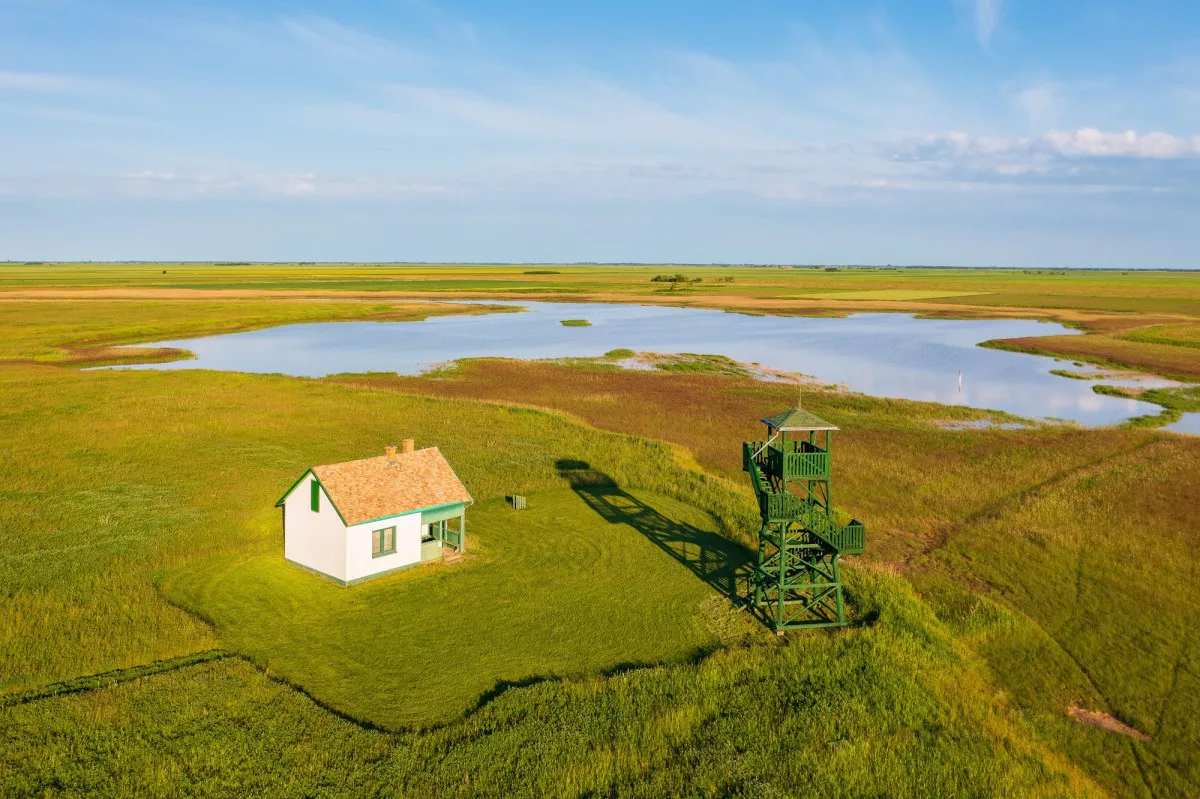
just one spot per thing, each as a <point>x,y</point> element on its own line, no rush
<point>462,531</point>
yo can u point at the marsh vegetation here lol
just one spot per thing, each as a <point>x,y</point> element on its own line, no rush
<point>590,646</point>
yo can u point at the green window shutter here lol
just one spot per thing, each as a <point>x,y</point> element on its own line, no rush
<point>315,487</point>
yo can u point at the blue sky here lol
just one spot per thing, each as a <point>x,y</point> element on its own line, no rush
<point>973,132</point>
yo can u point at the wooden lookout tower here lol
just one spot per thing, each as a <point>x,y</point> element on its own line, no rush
<point>796,581</point>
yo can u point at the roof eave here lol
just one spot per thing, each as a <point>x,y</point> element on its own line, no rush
<point>796,428</point>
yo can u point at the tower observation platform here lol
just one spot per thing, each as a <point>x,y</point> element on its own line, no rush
<point>796,581</point>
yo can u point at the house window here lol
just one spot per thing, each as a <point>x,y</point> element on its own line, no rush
<point>383,542</point>
<point>315,499</point>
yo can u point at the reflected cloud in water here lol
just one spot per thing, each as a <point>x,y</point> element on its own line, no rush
<point>888,355</point>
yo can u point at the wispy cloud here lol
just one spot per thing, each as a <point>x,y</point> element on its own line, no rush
<point>45,82</point>
<point>987,16</point>
<point>338,41</point>
<point>166,184</point>
<point>1089,142</point>
<point>824,120</point>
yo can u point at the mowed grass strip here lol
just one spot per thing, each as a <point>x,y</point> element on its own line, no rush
<point>112,477</point>
<point>580,582</point>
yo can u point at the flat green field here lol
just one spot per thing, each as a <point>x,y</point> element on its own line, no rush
<point>581,582</point>
<point>1138,319</point>
<point>587,647</point>
<point>1090,290</point>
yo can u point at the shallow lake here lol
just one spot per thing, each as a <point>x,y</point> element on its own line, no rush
<point>1190,423</point>
<point>888,355</point>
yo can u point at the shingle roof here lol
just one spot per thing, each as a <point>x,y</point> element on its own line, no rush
<point>797,419</point>
<point>371,489</point>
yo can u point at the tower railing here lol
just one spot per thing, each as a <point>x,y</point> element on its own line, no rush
<point>790,460</point>
<point>798,459</point>
<point>784,507</point>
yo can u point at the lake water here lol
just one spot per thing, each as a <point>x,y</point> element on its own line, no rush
<point>1190,423</point>
<point>888,355</point>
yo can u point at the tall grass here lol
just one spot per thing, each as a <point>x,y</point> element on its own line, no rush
<point>1008,575</point>
<point>894,709</point>
<point>927,494</point>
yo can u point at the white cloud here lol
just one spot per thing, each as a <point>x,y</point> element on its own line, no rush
<point>1039,103</point>
<point>1098,143</point>
<point>341,42</point>
<point>163,184</point>
<point>575,111</point>
<point>44,82</point>
<point>987,14</point>
<point>1085,142</point>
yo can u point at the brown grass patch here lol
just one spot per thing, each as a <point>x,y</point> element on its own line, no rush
<point>1105,721</point>
<point>1181,363</point>
<point>912,483</point>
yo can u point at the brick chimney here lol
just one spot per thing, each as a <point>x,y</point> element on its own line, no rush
<point>409,445</point>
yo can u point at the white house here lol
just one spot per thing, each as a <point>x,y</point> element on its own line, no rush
<point>359,519</point>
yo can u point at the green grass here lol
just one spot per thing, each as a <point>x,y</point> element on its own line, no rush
<point>579,583</point>
<point>1090,290</point>
<point>894,709</point>
<point>1186,335</point>
<point>1134,319</point>
<point>575,323</point>
<point>83,332</point>
<point>1174,402</point>
<point>113,477</point>
<point>1008,575</point>
<point>1104,560</point>
<point>1067,373</point>
<point>923,491</point>
<point>690,362</point>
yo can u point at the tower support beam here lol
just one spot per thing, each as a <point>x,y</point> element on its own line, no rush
<point>796,580</point>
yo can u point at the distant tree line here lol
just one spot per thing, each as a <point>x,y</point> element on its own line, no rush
<point>680,277</point>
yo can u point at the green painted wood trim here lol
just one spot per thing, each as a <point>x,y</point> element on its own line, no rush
<point>405,567</point>
<point>317,572</point>
<point>440,512</point>
<point>410,512</point>
<point>293,488</point>
<point>332,504</point>
<point>383,552</point>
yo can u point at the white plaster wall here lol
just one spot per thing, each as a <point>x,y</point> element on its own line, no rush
<point>359,562</point>
<point>316,540</point>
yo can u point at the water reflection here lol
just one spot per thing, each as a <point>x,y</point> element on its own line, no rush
<point>889,355</point>
<point>1190,423</point>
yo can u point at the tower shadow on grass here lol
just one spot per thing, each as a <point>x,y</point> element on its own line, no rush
<point>722,564</point>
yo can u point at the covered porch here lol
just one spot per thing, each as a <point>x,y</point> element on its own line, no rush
<point>442,528</point>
